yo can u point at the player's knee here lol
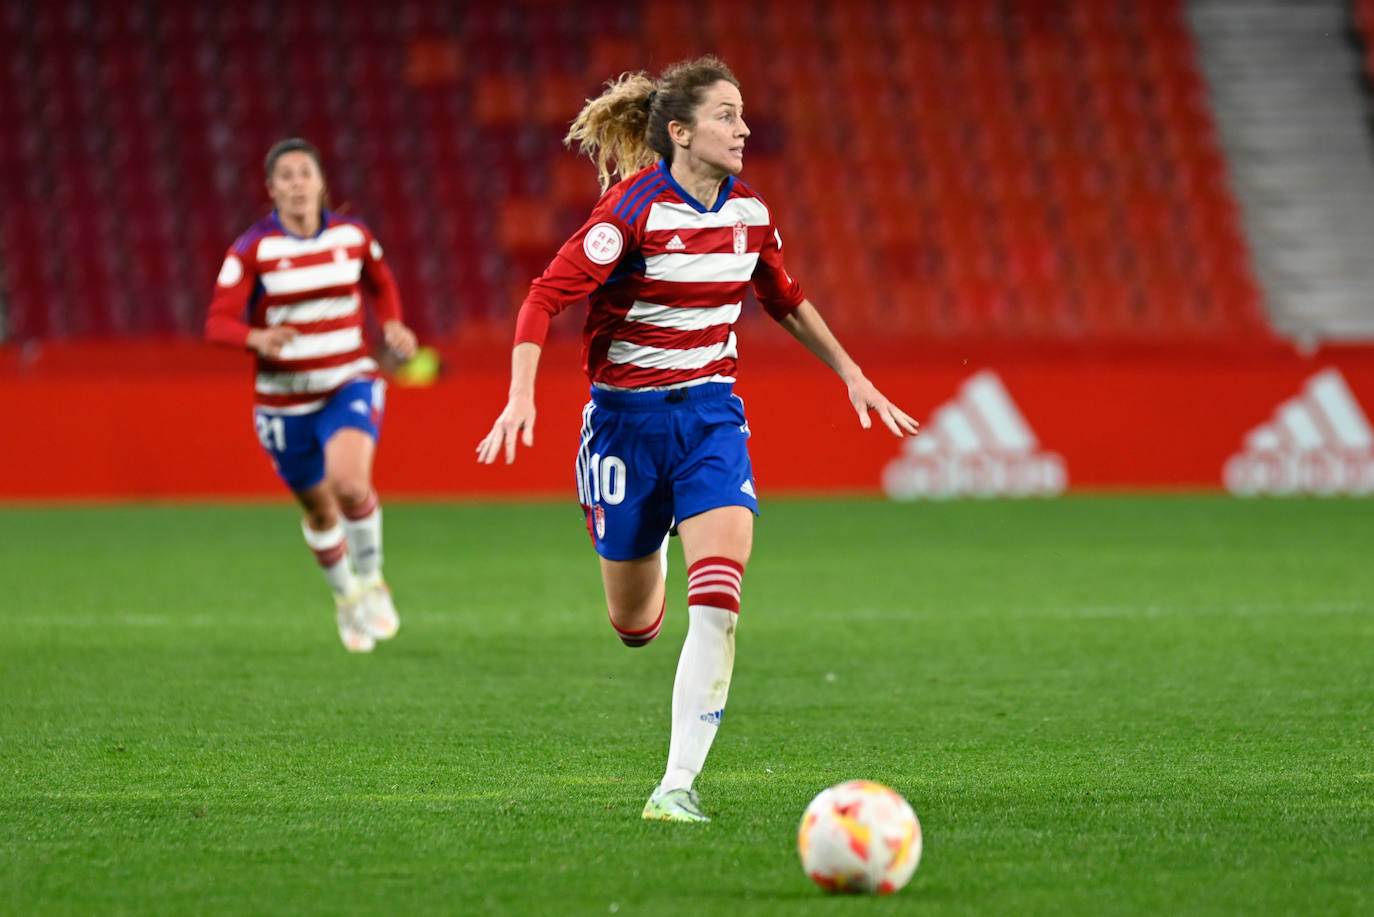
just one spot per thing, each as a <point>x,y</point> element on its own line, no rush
<point>634,633</point>
<point>321,518</point>
<point>352,493</point>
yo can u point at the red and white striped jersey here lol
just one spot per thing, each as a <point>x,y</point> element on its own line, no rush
<point>271,277</point>
<point>665,278</point>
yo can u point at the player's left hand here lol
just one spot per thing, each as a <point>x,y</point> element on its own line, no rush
<point>399,339</point>
<point>865,397</point>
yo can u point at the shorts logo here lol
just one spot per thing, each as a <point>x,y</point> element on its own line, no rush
<point>741,238</point>
<point>748,488</point>
<point>599,519</point>
<point>603,243</point>
<point>361,406</point>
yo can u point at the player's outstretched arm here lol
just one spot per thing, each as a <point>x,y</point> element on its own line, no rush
<point>517,419</point>
<point>806,325</point>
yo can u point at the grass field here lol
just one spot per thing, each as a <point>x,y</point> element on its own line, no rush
<point>1096,705</point>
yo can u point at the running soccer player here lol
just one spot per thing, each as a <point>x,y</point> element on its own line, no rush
<point>665,259</point>
<point>289,290</point>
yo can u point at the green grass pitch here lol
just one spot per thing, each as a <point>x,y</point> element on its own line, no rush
<point>1097,705</point>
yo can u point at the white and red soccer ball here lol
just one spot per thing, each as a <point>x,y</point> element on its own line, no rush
<point>859,836</point>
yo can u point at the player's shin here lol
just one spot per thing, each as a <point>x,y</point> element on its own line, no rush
<point>331,552</point>
<point>363,524</point>
<point>705,667</point>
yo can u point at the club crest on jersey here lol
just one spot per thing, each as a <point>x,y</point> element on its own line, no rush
<point>599,520</point>
<point>741,238</point>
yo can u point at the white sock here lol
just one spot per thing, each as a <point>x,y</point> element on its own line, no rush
<point>331,552</point>
<point>364,527</point>
<point>702,683</point>
<point>699,692</point>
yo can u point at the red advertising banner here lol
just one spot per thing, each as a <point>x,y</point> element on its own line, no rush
<point>176,421</point>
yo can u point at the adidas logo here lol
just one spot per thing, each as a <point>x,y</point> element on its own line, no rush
<point>713,717</point>
<point>1318,442</point>
<point>675,244</point>
<point>360,406</point>
<point>975,445</point>
<point>748,488</point>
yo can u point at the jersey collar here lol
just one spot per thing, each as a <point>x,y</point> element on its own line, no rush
<point>725,188</point>
<point>324,224</point>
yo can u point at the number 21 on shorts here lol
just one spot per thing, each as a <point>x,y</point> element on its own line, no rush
<point>271,431</point>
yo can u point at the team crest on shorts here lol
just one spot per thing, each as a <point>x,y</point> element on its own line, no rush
<point>741,238</point>
<point>599,520</point>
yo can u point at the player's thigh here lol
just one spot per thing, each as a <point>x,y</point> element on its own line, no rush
<point>349,427</point>
<point>634,591</point>
<point>348,458</point>
<point>726,531</point>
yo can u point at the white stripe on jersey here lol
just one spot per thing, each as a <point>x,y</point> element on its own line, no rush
<point>317,277</point>
<point>667,215</point>
<point>679,267</point>
<point>327,344</point>
<point>665,358</point>
<point>271,248</point>
<point>313,310</point>
<point>682,319</point>
<point>315,380</point>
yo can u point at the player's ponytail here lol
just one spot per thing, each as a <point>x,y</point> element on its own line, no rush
<point>626,127</point>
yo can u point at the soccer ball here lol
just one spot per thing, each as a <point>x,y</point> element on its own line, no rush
<point>859,836</point>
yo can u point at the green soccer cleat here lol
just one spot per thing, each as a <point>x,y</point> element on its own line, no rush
<point>674,805</point>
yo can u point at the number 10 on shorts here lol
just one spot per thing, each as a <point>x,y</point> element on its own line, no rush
<point>606,479</point>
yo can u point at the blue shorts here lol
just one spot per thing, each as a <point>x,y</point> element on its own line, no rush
<point>648,459</point>
<point>295,442</point>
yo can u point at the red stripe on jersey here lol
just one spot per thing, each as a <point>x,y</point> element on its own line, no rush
<point>290,299</point>
<point>329,324</point>
<point>690,295</point>
<point>301,366</point>
<point>627,375</point>
<point>655,336</point>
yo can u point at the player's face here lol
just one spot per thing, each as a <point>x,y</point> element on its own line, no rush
<point>719,133</point>
<point>297,187</point>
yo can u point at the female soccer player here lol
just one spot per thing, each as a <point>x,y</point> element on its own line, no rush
<point>665,258</point>
<point>289,290</point>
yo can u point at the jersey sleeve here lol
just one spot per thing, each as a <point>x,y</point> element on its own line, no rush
<point>379,282</point>
<point>227,321</point>
<point>778,293</point>
<point>584,263</point>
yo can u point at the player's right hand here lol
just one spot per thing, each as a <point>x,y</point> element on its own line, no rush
<point>270,341</point>
<point>515,422</point>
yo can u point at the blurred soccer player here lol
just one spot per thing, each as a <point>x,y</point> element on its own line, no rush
<point>290,290</point>
<point>666,258</point>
